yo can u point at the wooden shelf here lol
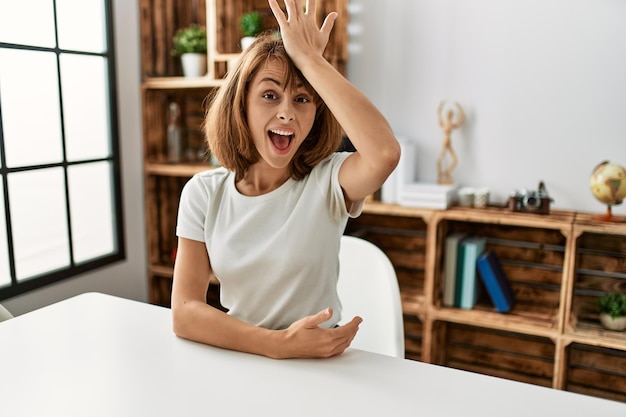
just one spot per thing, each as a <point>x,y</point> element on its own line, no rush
<point>596,335</point>
<point>176,170</point>
<point>178,83</point>
<point>484,317</point>
<point>376,207</point>
<point>560,220</point>
<point>161,271</point>
<point>593,222</point>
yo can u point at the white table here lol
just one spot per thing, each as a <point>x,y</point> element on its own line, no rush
<point>98,355</point>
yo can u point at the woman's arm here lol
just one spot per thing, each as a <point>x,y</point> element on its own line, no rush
<point>378,151</point>
<point>195,320</point>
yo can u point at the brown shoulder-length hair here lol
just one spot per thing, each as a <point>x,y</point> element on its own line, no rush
<point>226,127</point>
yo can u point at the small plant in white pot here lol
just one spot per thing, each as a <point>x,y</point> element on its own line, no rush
<point>190,44</point>
<point>251,25</point>
<point>612,308</point>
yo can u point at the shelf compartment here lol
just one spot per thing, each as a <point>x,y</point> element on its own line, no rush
<point>413,335</point>
<point>225,46</point>
<point>596,371</point>
<point>503,354</point>
<point>158,22</point>
<point>192,109</point>
<point>533,259</point>
<point>403,240</point>
<point>599,268</point>
<point>162,200</point>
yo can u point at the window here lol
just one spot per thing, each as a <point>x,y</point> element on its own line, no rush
<point>60,193</point>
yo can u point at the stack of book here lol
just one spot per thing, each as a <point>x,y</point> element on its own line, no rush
<point>426,195</point>
<point>401,187</point>
<point>468,268</point>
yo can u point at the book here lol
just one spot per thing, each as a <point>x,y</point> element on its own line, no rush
<point>426,195</point>
<point>452,269</point>
<point>471,248</point>
<point>496,283</point>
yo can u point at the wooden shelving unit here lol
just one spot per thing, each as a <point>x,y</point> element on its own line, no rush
<point>558,266</point>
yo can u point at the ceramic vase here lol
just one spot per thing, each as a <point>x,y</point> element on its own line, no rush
<point>617,323</point>
<point>194,65</point>
<point>246,41</point>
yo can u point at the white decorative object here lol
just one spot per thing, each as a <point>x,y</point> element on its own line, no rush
<point>481,197</point>
<point>466,196</point>
<point>194,64</point>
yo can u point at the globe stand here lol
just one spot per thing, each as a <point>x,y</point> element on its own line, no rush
<point>608,216</point>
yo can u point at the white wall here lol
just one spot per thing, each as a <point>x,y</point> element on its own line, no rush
<point>543,83</point>
<point>126,279</point>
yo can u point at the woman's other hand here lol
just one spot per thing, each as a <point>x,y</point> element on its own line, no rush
<point>305,339</point>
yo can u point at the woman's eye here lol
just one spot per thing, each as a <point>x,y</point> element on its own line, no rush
<point>303,100</point>
<point>269,96</point>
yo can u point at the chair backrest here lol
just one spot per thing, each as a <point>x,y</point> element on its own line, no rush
<point>368,287</point>
<point>4,313</point>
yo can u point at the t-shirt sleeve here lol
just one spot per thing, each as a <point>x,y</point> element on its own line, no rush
<point>192,210</point>
<point>331,168</point>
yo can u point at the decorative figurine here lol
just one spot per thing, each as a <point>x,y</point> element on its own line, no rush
<point>444,174</point>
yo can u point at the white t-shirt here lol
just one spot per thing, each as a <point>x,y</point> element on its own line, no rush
<point>276,254</point>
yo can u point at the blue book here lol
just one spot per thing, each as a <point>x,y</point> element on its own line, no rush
<point>470,249</point>
<point>495,281</point>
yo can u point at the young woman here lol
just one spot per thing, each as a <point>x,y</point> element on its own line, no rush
<point>268,223</point>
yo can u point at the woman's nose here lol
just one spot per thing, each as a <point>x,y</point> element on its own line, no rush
<point>285,111</point>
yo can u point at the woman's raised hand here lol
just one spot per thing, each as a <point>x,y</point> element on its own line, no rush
<point>300,32</point>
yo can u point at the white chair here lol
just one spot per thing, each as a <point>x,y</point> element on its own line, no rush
<point>4,313</point>
<point>368,287</point>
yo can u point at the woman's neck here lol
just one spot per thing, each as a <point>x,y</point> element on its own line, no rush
<point>260,180</point>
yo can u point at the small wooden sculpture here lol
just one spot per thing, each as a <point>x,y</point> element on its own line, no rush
<point>444,174</point>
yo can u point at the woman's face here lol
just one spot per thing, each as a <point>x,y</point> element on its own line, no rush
<point>279,118</point>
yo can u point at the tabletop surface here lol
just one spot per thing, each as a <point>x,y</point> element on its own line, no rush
<point>99,355</point>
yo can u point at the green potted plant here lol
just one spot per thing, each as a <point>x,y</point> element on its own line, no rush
<point>612,307</point>
<point>251,24</point>
<point>190,44</point>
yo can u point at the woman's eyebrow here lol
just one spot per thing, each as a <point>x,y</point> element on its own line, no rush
<point>271,80</point>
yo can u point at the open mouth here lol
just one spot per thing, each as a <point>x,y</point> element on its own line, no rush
<point>281,139</point>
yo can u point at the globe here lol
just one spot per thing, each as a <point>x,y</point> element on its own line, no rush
<point>608,184</point>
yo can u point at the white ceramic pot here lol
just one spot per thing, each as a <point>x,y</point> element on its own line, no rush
<point>246,41</point>
<point>617,323</point>
<point>194,65</point>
